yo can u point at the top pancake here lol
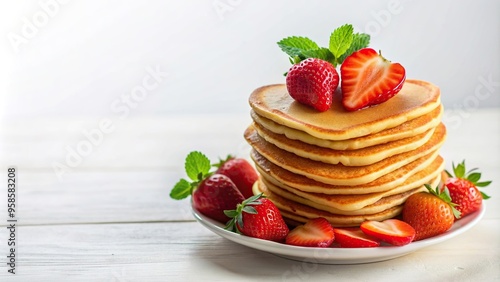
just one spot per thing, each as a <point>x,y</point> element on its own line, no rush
<point>415,99</point>
<point>404,130</point>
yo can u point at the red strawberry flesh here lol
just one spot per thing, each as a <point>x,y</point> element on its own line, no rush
<point>392,231</point>
<point>369,79</point>
<point>316,232</point>
<point>354,238</point>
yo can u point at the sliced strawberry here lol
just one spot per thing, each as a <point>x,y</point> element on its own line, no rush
<point>392,231</point>
<point>354,238</point>
<point>241,172</point>
<point>312,82</point>
<point>369,79</point>
<point>317,232</point>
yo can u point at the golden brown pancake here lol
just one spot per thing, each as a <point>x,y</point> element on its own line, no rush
<point>415,99</point>
<point>338,174</point>
<point>359,157</point>
<point>346,202</point>
<point>301,213</point>
<point>426,166</point>
<point>404,130</point>
<point>376,207</point>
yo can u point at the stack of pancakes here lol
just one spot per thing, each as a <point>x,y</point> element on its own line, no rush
<point>347,167</point>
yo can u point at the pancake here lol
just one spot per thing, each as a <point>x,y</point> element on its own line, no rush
<point>301,213</point>
<point>404,130</point>
<point>353,202</point>
<point>380,205</point>
<point>294,219</point>
<point>415,99</point>
<point>359,157</point>
<point>426,165</point>
<point>338,174</point>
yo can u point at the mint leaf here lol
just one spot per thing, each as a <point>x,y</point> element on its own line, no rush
<point>340,40</point>
<point>181,190</point>
<point>197,165</point>
<point>321,53</point>
<point>483,184</point>
<point>359,41</point>
<point>295,45</point>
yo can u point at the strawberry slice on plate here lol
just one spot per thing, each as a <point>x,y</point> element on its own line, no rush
<point>369,79</point>
<point>392,231</point>
<point>317,232</point>
<point>354,238</point>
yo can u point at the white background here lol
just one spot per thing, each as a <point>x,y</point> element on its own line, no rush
<point>79,58</point>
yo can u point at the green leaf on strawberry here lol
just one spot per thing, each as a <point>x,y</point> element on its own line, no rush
<point>197,167</point>
<point>444,195</point>
<point>471,176</point>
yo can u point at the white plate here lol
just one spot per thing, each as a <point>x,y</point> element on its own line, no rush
<point>338,255</point>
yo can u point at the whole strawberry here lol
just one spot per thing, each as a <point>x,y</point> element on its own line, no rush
<point>214,195</point>
<point>259,218</point>
<point>211,193</point>
<point>312,82</point>
<point>463,187</point>
<point>431,213</point>
<point>241,172</point>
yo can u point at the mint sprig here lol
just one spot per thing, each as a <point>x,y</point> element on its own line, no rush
<point>343,42</point>
<point>197,167</point>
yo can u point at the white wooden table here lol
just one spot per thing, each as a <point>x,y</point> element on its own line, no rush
<point>110,218</point>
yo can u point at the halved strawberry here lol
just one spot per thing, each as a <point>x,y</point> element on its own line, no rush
<point>354,238</point>
<point>369,79</point>
<point>392,231</point>
<point>317,232</point>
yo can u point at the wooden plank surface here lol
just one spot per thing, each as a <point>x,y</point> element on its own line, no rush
<point>110,218</point>
<point>189,252</point>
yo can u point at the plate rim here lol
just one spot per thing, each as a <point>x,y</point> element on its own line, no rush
<point>338,255</point>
